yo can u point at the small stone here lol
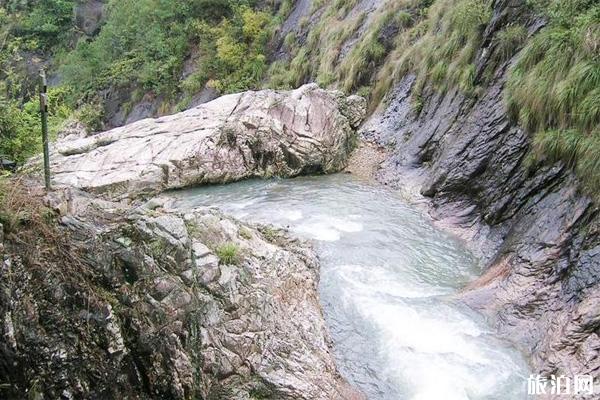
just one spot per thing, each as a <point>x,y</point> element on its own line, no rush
<point>155,203</point>
<point>9,330</point>
<point>188,276</point>
<point>209,260</point>
<point>124,241</point>
<point>210,274</point>
<point>117,344</point>
<point>162,287</point>
<point>172,224</point>
<point>200,250</point>
<point>66,395</point>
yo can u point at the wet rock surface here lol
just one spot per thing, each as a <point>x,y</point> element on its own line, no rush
<point>147,309</point>
<point>537,233</point>
<point>252,134</point>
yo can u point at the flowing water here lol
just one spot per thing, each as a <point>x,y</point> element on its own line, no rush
<point>387,280</point>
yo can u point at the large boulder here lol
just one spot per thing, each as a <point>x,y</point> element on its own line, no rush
<point>251,134</point>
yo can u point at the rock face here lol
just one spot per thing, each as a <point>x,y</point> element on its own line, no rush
<point>540,234</point>
<point>252,134</point>
<point>143,307</point>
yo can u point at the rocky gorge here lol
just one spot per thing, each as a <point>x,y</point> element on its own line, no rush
<point>128,297</point>
<point>536,230</point>
<point>538,233</point>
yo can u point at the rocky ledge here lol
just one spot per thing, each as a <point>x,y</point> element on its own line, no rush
<point>121,298</point>
<point>250,134</point>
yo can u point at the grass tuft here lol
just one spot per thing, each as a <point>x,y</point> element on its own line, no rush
<point>229,254</point>
<point>21,211</point>
<point>579,152</point>
<point>439,47</point>
<point>269,233</point>
<point>509,40</point>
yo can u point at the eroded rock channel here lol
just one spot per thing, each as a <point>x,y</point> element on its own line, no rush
<point>139,294</point>
<point>388,285</point>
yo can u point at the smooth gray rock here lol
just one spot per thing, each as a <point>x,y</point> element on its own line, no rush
<point>238,136</point>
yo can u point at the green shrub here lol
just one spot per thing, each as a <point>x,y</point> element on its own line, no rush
<point>91,115</point>
<point>41,24</point>
<point>229,254</point>
<point>195,82</point>
<point>211,10</point>
<point>234,51</point>
<point>20,134</point>
<point>25,27</point>
<point>20,125</point>
<point>143,42</point>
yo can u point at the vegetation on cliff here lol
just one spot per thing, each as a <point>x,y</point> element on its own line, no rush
<point>172,50</point>
<point>27,28</point>
<point>144,44</point>
<point>554,88</point>
<point>142,48</point>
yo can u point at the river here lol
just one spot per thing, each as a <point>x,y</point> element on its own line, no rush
<point>388,277</point>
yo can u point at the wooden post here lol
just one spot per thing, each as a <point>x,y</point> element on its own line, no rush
<point>44,116</point>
